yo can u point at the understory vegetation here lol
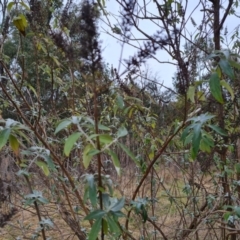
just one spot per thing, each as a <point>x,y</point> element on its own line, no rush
<point>92,152</point>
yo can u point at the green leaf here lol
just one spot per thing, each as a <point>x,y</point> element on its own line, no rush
<point>120,102</point>
<point>96,227</point>
<point>226,68</point>
<point>105,138</point>
<point>218,130</point>
<point>206,144</point>
<point>9,6</point>
<point>25,5</point>
<point>105,226</point>
<point>122,131</point>
<point>196,140</point>
<point>20,23</point>
<point>113,225</point>
<point>92,189</point>
<point>118,205</point>
<point>188,139</point>
<point>201,119</point>
<point>234,64</point>
<point>226,215</point>
<point>62,125</point>
<point>237,167</point>
<point>86,156</point>
<point>14,144</point>
<point>43,166</point>
<point>4,136</point>
<point>50,163</point>
<point>70,141</point>
<point>191,93</point>
<point>128,152</point>
<point>96,214</point>
<point>115,161</point>
<point>102,127</point>
<point>215,87</point>
<point>201,96</point>
<point>237,211</point>
<point>227,86</point>
<point>185,132</point>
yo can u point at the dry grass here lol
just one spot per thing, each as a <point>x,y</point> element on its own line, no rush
<point>171,214</point>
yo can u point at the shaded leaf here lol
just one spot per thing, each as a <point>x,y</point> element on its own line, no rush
<point>215,87</point>
<point>122,131</point>
<point>226,68</point>
<point>237,167</point>
<point>96,214</point>
<point>113,225</point>
<point>218,130</point>
<point>92,189</point>
<point>120,102</point>
<point>105,226</point>
<point>118,205</point>
<point>96,227</point>
<point>4,136</point>
<point>196,140</point>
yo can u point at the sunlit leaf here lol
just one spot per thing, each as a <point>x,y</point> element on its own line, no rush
<point>86,157</point>
<point>115,161</point>
<point>14,144</point>
<point>128,152</point>
<point>43,166</point>
<point>62,125</point>
<point>70,141</point>
<point>201,96</point>
<point>9,6</point>
<point>20,23</point>
<point>105,138</point>
<point>227,86</point>
<point>102,127</point>
<point>191,93</point>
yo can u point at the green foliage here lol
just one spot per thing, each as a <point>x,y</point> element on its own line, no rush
<point>77,122</point>
<point>215,87</point>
